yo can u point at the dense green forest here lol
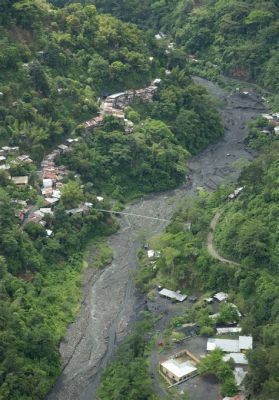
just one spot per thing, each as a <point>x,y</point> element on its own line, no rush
<point>56,63</point>
<point>127,377</point>
<point>154,156</point>
<point>55,66</point>
<point>239,37</point>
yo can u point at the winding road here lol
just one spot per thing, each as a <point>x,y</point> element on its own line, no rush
<point>111,303</point>
<point>210,241</point>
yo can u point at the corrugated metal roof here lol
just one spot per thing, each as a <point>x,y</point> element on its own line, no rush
<point>221,296</point>
<point>239,358</point>
<point>227,345</point>
<point>245,342</point>
<point>172,295</point>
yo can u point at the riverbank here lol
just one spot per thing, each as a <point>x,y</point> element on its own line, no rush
<point>110,299</point>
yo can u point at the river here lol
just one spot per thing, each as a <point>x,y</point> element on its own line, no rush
<point>111,302</point>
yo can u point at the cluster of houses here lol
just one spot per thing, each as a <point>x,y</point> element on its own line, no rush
<point>96,122</point>
<point>9,156</point>
<point>115,105</point>
<point>183,366</point>
<point>39,216</point>
<point>22,208</point>
<point>273,120</point>
<point>222,297</point>
<point>53,175</point>
<point>6,152</point>
<point>52,179</point>
<point>233,349</point>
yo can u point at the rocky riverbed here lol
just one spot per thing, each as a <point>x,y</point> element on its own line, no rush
<point>111,302</point>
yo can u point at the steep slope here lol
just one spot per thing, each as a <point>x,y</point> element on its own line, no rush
<point>55,64</point>
<point>247,231</point>
<point>241,37</point>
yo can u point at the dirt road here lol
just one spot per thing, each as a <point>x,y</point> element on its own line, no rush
<point>210,241</point>
<point>110,301</point>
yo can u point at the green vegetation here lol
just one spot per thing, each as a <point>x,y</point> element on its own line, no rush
<point>40,293</point>
<point>119,164</point>
<point>154,157</point>
<point>213,364</point>
<point>187,110</point>
<point>127,377</point>
<point>239,38</point>
<point>261,134</point>
<point>247,232</point>
<point>103,254</point>
<point>56,64</point>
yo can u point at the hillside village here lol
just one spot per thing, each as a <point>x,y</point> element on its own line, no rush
<point>115,105</point>
<point>51,175</point>
<point>181,349</point>
<point>182,365</point>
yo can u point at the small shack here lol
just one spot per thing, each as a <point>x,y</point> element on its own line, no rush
<point>20,180</point>
<point>228,329</point>
<point>63,148</point>
<point>169,294</point>
<point>235,193</point>
<point>221,296</point>
<point>153,255</point>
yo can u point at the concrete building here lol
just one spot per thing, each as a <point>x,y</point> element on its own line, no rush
<point>177,371</point>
